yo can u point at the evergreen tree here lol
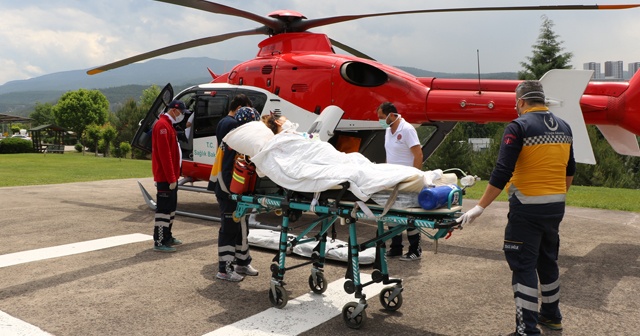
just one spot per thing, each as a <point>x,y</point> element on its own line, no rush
<point>546,54</point>
<point>454,152</point>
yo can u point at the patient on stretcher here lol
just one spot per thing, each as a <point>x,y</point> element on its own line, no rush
<point>298,161</point>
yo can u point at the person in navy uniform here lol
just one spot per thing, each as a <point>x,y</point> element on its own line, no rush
<point>536,164</point>
<point>232,236</point>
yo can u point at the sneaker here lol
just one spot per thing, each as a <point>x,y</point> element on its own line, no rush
<point>549,323</point>
<point>230,276</point>
<point>246,270</point>
<point>164,248</point>
<point>174,241</point>
<point>394,253</point>
<point>411,256</point>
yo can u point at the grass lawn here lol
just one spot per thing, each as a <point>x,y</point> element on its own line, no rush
<point>35,169</point>
<point>580,196</point>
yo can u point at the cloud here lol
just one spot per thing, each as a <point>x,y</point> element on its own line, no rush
<point>45,36</point>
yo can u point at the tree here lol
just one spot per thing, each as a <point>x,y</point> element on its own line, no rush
<point>124,148</point>
<point>546,54</point>
<point>149,95</point>
<point>612,171</point>
<point>454,152</point>
<point>93,133</point>
<point>109,134</point>
<point>128,117</point>
<point>77,109</point>
<point>42,114</point>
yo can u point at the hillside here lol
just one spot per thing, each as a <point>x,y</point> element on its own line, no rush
<point>19,97</point>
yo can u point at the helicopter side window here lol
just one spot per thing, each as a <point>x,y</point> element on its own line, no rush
<point>258,99</point>
<point>209,111</point>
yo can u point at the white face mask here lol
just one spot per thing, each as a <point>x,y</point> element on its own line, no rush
<point>288,125</point>
<point>179,118</point>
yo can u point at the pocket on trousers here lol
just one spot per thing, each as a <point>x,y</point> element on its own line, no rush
<point>512,252</point>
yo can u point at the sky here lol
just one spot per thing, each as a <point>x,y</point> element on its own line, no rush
<point>39,37</point>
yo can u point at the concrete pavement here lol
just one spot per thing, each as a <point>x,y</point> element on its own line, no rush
<point>464,289</point>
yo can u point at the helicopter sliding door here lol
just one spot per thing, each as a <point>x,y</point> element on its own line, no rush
<point>142,138</point>
<point>211,106</point>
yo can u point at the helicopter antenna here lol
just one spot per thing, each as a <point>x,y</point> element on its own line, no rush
<point>478,58</point>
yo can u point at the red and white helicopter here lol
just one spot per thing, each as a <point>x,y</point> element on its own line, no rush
<point>298,72</point>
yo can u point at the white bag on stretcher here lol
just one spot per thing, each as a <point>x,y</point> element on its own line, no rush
<point>335,250</point>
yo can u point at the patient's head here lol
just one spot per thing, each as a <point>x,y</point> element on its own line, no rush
<point>274,121</point>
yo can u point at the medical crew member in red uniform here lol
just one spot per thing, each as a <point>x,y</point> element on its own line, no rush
<point>536,163</point>
<point>402,146</point>
<point>165,163</point>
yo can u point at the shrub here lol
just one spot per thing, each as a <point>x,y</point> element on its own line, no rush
<point>78,147</point>
<point>124,148</point>
<point>15,145</point>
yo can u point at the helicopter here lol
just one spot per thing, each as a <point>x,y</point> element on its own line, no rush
<point>299,72</point>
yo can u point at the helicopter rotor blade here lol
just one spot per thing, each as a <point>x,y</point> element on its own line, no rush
<point>350,50</point>
<point>177,47</point>
<point>308,24</point>
<point>216,8</point>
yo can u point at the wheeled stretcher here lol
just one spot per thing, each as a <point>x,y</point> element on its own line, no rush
<point>333,206</point>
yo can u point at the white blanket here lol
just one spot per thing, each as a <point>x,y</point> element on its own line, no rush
<point>297,163</point>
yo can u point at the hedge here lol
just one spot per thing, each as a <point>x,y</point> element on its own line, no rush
<point>15,145</point>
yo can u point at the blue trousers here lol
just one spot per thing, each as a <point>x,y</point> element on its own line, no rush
<point>167,201</point>
<point>531,245</point>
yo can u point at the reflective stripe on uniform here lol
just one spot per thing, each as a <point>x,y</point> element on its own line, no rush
<point>520,288</point>
<point>544,199</point>
<point>528,305</point>
<point>551,286</point>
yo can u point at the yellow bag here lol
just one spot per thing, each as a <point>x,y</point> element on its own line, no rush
<point>216,171</point>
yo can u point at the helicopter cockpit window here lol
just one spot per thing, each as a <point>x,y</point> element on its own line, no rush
<point>209,111</point>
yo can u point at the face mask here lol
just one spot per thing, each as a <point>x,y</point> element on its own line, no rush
<point>288,125</point>
<point>179,118</point>
<point>383,123</point>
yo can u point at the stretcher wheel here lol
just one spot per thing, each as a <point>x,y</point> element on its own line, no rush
<point>318,286</point>
<point>235,217</point>
<point>390,305</point>
<point>281,298</point>
<point>353,322</point>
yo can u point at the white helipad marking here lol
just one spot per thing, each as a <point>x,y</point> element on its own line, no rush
<point>300,314</point>
<point>69,249</point>
<point>10,325</point>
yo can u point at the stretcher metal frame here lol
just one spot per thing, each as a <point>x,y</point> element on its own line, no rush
<point>390,222</point>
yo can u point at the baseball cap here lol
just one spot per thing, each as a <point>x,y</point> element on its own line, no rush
<point>177,104</point>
